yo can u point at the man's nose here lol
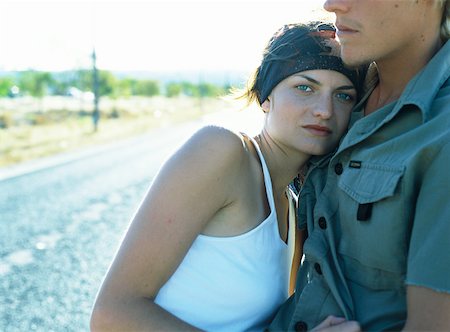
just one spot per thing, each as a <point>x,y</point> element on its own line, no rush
<point>336,6</point>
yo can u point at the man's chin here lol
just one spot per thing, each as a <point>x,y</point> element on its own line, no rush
<point>352,60</point>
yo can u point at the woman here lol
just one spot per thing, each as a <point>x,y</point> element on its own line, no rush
<point>208,247</point>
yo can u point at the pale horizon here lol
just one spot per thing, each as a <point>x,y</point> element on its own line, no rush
<point>149,35</point>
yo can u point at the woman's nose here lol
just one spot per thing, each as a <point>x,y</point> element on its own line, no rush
<point>324,109</point>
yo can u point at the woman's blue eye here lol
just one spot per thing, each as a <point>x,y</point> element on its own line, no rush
<point>305,88</point>
<point>345,96</point>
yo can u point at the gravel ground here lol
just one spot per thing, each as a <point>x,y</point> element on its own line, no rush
<point>61,225</point>
<point>60,228</point>
<point>53,277</point>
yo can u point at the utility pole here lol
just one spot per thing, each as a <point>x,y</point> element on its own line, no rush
<point>200,91</point>
<point>96,112</point>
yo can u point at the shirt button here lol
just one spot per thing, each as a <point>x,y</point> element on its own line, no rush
<point>318,268</point>
<point>322,223</point>
<point>301,326</point>
<point>338,169</point>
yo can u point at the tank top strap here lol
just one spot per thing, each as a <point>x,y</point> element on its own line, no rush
<point>267,179</point>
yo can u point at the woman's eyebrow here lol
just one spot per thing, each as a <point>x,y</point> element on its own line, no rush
<point>312,80</point>
<point>346,87</point>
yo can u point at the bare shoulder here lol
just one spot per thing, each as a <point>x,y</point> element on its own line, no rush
<point>211,158</point>
<point>217,145</point>
<point>213,135</point>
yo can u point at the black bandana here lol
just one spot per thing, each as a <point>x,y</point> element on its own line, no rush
<point>309,51</point>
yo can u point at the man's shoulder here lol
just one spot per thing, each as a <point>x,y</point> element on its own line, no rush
<point>440,107</point>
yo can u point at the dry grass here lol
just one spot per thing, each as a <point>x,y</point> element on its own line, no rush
<point>53,133</point>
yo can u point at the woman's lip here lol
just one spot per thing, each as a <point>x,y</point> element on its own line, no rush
<point>318,130</point>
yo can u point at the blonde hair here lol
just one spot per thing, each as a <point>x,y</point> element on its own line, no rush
<point>445,23</point>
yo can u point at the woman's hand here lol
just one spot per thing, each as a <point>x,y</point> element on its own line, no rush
<point>335,324</point>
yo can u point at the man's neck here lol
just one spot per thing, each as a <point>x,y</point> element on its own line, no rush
<point>395,72</point>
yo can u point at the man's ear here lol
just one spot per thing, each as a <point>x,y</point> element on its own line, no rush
<point>266,106</point>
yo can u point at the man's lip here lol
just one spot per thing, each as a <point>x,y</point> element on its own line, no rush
<point>322,130</point>
<point>344,28</point>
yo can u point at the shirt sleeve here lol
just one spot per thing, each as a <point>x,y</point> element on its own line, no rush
<point>429,250</point>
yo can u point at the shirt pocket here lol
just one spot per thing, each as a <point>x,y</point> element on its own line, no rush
<point>368,183</point>
<point>373,246</point>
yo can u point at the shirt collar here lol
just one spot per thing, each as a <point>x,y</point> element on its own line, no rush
<point>319,161</point>
<point>423,88</point>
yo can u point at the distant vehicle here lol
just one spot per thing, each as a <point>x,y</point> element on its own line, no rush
<point>78,94</point>
<point>14,92</point>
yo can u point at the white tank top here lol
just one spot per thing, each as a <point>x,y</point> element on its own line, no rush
<point>232,283</point>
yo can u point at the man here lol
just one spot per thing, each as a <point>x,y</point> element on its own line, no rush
<point>377,213</point>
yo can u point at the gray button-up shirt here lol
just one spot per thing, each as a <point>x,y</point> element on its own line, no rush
<point>378,211</point>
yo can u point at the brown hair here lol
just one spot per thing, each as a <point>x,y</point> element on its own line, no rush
<point>292,49</point>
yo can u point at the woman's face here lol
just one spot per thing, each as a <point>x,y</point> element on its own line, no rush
<point>309,111</point>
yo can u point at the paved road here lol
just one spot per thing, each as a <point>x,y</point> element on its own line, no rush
<point>61,224</point>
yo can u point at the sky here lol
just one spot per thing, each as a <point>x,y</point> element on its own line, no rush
<point>147,35</point>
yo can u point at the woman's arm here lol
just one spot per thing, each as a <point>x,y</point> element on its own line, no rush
<point>195,183</point>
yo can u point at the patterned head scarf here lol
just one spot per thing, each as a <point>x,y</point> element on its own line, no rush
<point>299,47</point>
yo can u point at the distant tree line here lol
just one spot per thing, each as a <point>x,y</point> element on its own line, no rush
<point>39,84</point>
